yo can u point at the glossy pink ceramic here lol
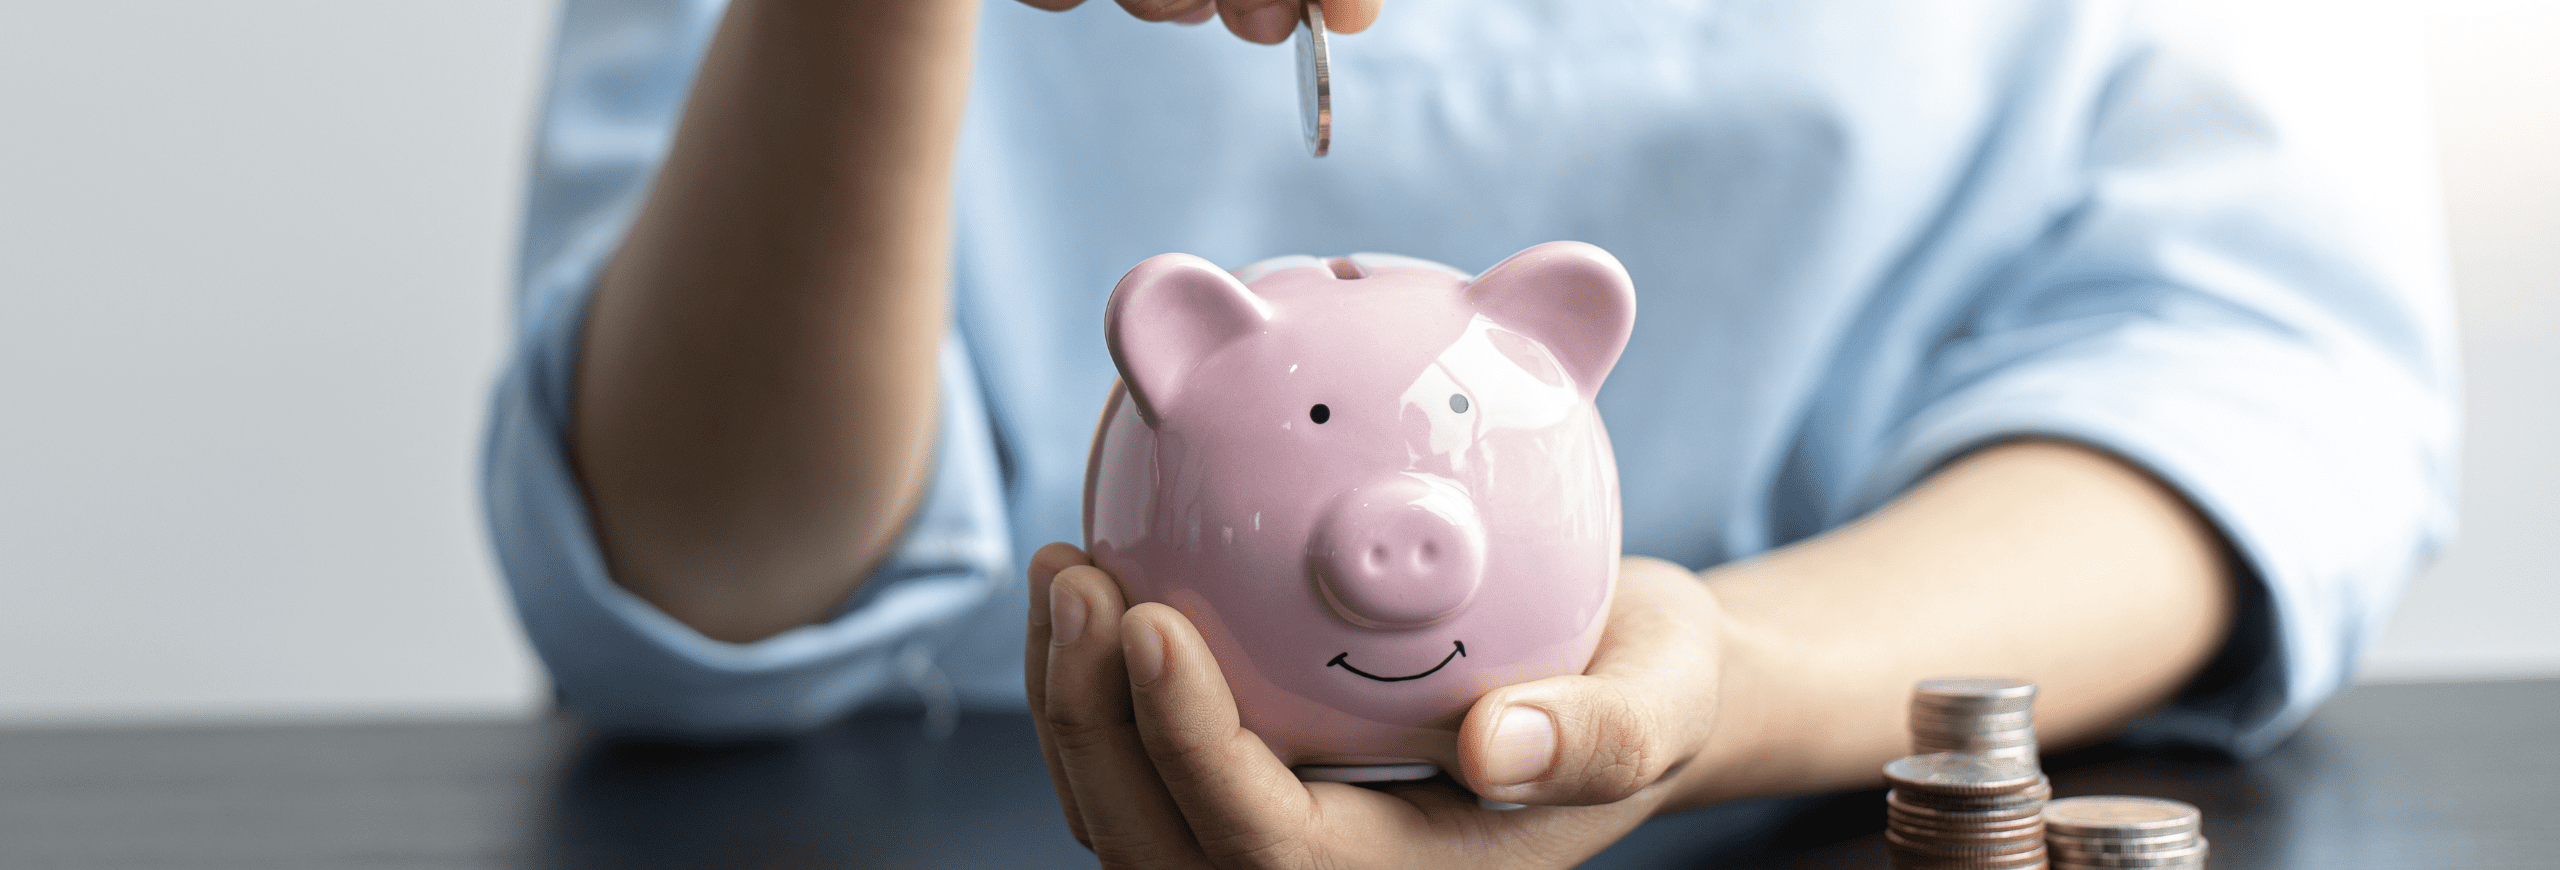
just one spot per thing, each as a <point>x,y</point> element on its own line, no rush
<point>1378,488</point>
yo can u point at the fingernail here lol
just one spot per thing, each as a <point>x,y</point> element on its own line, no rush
<point>1271,24</point>
<point>1524,745</point>
<point>1066,615</point>
<point>1201,16</point>
<point>1144,649</point>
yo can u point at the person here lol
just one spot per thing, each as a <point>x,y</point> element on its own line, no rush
<point>2103,344</point>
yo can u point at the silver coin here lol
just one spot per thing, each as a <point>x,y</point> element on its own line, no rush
<point>1961,698</point>
<point>2030,808</point>
<point>1976,687</point>
<point>1905,859</point>
<point>1926,820</point>
<point>1947,699</point>
<point>1958,773</point>
<point>2112,816</point>
<point>1924,845</point>
<point>1973,742</point>
<point>1315,81</point>
<point>2109,845</point>
<point>1968,708</point>
<point>2188,856</point>
<point>2028,732</point>
<point>1975,697</point>
<point>2026,754</point>
<point>2029,799</point>
<point>2004,840</point>
<point>1940,721</point>
<point>2023,750</point>
<point>1928,745</point>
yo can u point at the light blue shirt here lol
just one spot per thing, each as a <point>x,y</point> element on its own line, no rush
<point>1866,237</point>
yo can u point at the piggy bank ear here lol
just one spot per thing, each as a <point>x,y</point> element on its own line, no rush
<point>1572,297</point>
<point>1167,315</point>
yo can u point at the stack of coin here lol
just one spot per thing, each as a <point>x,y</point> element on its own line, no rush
<point>1965,811</point>
<point>2105,833</point>
<point>1974,715</point>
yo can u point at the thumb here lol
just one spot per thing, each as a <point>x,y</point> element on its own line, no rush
<point>1643,709</point>
<point>1566,741</point>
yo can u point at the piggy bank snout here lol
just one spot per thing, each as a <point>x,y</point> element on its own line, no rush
<point>1402,552</point>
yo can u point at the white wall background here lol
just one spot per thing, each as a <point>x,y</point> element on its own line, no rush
<point>253,263</point>
<point>252,269</point>
<point>2492,607</point>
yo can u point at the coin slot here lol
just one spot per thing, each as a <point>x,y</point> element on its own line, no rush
<point>1344,269</point>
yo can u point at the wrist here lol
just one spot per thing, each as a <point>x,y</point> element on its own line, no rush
<point>1790,715</point>
<point>1745,750</point>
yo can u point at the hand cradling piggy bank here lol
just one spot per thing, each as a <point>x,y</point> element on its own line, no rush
<point>1377,487</point>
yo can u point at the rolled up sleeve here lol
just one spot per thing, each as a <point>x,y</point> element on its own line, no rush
<point>622,663</point>
<point>617,660</point>
<point>2248,300</point>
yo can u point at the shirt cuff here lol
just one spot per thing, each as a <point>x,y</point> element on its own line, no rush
<point>2324,474</point>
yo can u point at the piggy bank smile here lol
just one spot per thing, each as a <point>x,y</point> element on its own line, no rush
<point>1373,462</point>
<point>1343,660</point>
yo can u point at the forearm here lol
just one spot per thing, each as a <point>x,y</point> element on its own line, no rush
<point>2042,560</point>
<point>756,390</point>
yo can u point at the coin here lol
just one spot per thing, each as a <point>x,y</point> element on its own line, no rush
<point>2108,845</point>
<point>1990,715</point>
<point>1977,690</point>
<point>1946,722</point>
<point>1965,811</point>
<point>2028,860</point>
<point>1984,739</point>
<point>1960,848</point>
<point>1962,773</point>
<point>2022,748</point>
<point>1974,797</point>
<point>2115,831</point>
<point>2009,809</point>
<point>1934,811</point>
<point>2191,856</point>
<point>2118,816</point>
<point>1978,687</point>
<point>1315,81</point>
<point>1959,712</point>
<point>2019,751</point>
<point>1926,819</point>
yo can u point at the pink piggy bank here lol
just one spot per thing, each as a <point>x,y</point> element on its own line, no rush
<point>1379,488</point>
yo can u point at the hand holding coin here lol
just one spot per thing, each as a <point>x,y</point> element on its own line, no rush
<point>1255,22</point>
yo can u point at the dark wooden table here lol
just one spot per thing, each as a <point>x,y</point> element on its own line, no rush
<point>2460,775</point>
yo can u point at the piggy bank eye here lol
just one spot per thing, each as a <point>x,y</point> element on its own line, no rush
<point>1319,414</point>
<point>1458,402</point>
